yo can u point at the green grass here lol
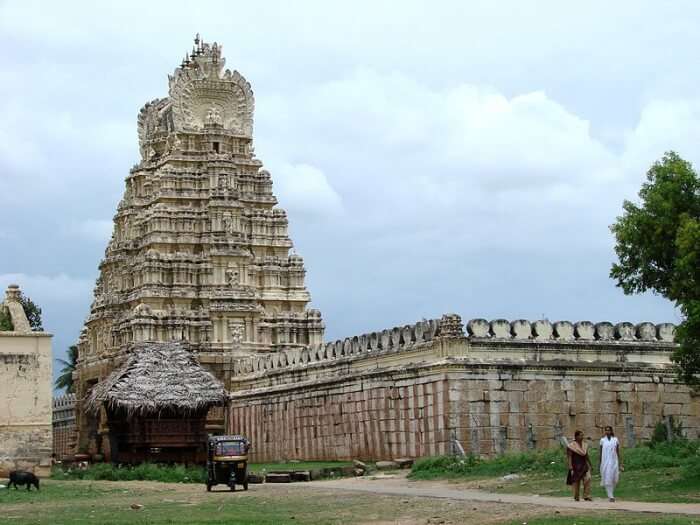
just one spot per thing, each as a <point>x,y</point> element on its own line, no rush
<point>60,503</point>
<point>174,473</point>
<point>668,472</point>
<point>56,492</point>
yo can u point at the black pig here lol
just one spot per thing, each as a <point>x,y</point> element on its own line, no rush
<point>21,477</point>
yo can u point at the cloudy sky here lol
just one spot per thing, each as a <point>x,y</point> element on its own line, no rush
<point>433,157</point>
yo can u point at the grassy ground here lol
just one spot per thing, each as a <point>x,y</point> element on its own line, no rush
<point>669,472</point>
<point>174,474</point>
<point>109,503</point>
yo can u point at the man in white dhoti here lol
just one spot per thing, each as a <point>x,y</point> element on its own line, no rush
<point>609,462</point>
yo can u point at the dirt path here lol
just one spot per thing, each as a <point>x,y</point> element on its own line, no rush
<point>400,486</point>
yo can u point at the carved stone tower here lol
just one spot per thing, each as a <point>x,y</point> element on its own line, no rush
<point>199,251</point>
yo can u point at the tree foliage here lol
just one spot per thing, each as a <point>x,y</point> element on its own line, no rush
<point>65,379</point>
<point>658,249</point>
<point>5,319</point>
<point>32,311</point>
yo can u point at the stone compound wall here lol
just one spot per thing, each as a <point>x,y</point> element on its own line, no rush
<point>413,390</point>
<point>64,430</point>
<point>25,395</point>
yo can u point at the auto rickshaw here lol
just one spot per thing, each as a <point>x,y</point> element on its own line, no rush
<point>227,461</point>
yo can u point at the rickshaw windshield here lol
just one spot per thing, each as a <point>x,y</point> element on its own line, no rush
<point>230,448</point>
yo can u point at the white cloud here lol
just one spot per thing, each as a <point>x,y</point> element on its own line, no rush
<point>305,189</point>
<point>98,230</point>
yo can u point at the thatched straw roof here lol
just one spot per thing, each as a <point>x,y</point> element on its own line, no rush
<point>158,377</point>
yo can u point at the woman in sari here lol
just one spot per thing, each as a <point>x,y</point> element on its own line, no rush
<point>579,467</point>
<point>610,462</point>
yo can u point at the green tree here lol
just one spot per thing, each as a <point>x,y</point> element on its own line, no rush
<point>658,250</point>
<point>5,320</point>
<point>32,311</point>
<point>65,380</point>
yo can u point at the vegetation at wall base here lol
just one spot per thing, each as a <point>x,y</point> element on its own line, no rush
<point>664,471</point>
<point>175,473</point>
<point>142,472</point>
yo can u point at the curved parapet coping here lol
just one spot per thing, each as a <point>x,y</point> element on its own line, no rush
<point>419,331</point>
<point>666,332</point>
<point>604,331</point>
<point>450,326</point>
<point>564,331</point>
<point>646,332</point>
<point>364,342</point>
<point>478,328</point>
<point>500,328</point>
<point>521,329</point>
<point>395,337</point>
<point>584,331</point>
<point>542,330</point>
<point>356,346</point>
<point>625,331</point>
<point>407,335</point>
<point>385,340</point>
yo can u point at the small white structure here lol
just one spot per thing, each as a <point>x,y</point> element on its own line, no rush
<point>25,393</point>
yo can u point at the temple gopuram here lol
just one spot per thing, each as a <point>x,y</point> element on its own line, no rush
<point>199,255</point>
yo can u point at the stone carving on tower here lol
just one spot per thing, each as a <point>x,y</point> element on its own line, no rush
<point>200,251</point>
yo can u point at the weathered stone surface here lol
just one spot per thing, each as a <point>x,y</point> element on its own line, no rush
<point>200,251</point>
<point>278,477</point>
<point>542,330</point>
<point>255,479</point>
<point>500,329</point>
<point>478,328</point>
<point>584,331</point>
<point>625,331</point>
<point>521,329</point>
<point>665,332</point>
<point>301,475</point>
<point>646,332</point>
<point>404,462</point>
<point>604,331</point>
<point>25,393</point>
<point>387,465</point>
<point>564,330</point>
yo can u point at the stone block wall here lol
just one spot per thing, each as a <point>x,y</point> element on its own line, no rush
<point>25,395</point>
<point>494,411</point>
<point>387,415</point>
<point>417,391</point>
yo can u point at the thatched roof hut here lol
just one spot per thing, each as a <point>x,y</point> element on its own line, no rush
<point>157,378</point>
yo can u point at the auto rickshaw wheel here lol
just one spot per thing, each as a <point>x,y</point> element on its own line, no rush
<point>233,487</point>
<point>208,487</point>
<point>245,485</point>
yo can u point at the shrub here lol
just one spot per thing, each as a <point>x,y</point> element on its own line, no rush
<point>142,472</point>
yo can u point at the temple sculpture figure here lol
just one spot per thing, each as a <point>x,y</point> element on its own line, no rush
<point>199,255</point>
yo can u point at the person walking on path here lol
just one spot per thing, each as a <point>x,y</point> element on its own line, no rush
<point>579,467</point>
<point>609,462</point>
